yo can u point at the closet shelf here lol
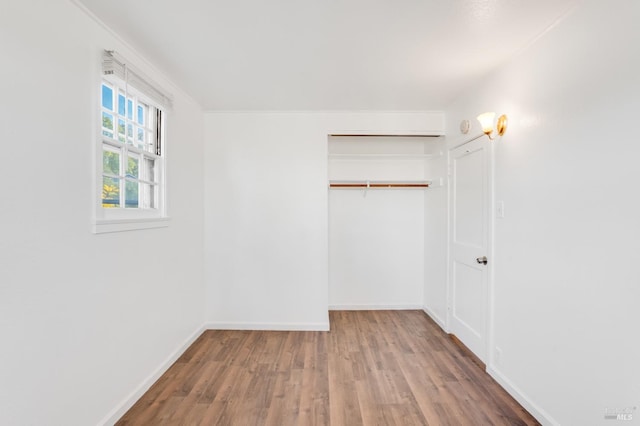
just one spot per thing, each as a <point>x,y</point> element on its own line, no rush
<point>378,184</point>
<point>382,156</point>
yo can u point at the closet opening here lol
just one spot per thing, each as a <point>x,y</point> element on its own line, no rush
<point>378,202</point>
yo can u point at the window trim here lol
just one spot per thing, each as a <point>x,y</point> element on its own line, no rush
<point>128,219</point>
<point>106,226</point>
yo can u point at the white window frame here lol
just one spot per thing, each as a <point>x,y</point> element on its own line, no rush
<point>133,85</point>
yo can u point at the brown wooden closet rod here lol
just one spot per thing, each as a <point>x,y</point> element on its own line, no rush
<point>379,185</point>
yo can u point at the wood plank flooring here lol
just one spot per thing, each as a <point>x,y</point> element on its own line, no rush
<point>373,368</point>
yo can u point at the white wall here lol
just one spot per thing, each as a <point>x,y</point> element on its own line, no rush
<point>566,285</point>
<point>266,209</point>
<point>266,228</point>
<point>376,249</point>
<point>85,319</point>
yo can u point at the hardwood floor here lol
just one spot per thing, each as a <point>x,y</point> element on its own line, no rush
<point>373,368</point>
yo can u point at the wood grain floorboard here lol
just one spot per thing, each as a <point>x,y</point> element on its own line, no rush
<point>373,368</point>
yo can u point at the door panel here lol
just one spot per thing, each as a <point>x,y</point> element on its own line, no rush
<point>469,279</point>
<point>469,195</point>
<point>468,293</point>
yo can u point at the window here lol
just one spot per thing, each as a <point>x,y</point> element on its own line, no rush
<point>130,149</point>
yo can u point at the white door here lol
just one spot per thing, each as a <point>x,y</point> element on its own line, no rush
<point>470,245</point>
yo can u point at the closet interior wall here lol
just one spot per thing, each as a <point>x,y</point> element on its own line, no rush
<point>377,235</point>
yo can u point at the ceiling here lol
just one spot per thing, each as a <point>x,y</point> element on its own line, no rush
<point>327,54</point>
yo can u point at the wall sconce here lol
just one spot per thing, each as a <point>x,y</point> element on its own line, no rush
<point>486,121</point>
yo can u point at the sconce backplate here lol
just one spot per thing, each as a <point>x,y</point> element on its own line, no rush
<point>464,126</point>
<point>501,125</point>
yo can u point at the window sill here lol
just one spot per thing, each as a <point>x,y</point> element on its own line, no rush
<point>122,225</point>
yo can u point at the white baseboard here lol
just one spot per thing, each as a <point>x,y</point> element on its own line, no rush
<point>436,318</point>
<point>268,326</point>
<point>128,402</point>
<point>541,415</point>
<point>373,307</point>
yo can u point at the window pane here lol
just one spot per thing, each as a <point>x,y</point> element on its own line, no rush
<point>150,169</point>
<point>153,199</point>
<point>110,192</point>
<point>110,162</point>
<point>131,194</point>
<point>121,127</point>
<point>107,97</point>
<point>141,114</point>
<point>149,196</point>
<point>132,167</point>
<point>130,133</point>
<point>140,137</point>
<point>130,109</point>
<point>107,124</point>
<point>121,103</point>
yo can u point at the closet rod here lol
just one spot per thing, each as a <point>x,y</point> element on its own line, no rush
<point>378,185</point>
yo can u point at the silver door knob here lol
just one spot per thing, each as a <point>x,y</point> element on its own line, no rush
<point>482,260</point>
